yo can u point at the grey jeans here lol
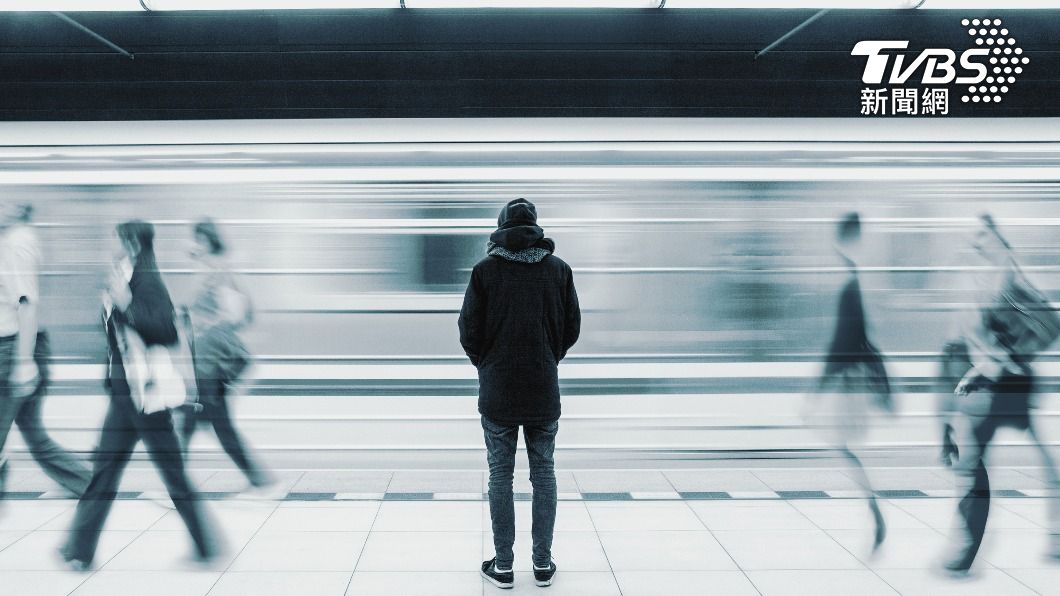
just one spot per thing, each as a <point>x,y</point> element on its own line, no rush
<point>25,411</point>
<point>501,441</point>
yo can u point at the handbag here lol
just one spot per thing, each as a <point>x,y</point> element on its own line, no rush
<point>1022,320</point>
<point>154,382</point>
<point>220,354</point>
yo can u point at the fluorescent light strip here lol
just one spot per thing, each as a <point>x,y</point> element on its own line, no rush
<point>523,174</point>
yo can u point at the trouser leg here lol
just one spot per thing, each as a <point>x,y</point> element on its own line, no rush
<point>975,433</point>
<point>164,449</point>
<point>116,444</point>
<point>501,442</point>
<point>221,418</point>
<point>9,403</point>
<point>540,449</point>
<point>1052,477</point>
<point>57,462</point>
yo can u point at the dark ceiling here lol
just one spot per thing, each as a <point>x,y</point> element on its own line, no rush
<point>440,63</point>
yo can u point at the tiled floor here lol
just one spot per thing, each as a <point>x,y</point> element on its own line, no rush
<point>648,548</point>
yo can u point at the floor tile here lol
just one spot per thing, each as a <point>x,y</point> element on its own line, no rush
<point>786,549</point>
<point>435,583</point>
<point>908,478</point>
<point>578,551</point>
<point>715,480</point>
<point>422,551</point>
<point>854,515</point>
<point>819,583</point>
<point>9,537</point>
<point>616,481</point>
<point>429,516</point>
<point>348,518</point>
<point>124,515</point>
<point>923,582</point>
<point>750,515</point>
<point>941,514</point>
<point>343,482</point>
<point>806,480</point>
<point>684,583</point>
<point>437,482</point>
<point>226,517</point>
<point>162,583</point>
<point>643,516</point>
<point>30,515</point>
<point>907,548</point>
<point>236,481</point>
<point>39,551</point>
<point>1043,581</point>
<point>572,583</point>
<point>162,551</point>
<point>282,583</point>
<point>570,517</point>
<point>301,551</point>
<point>1034,510</point>
<point>41,583</point>
<point>1016,549</point>
<point>662,551</point>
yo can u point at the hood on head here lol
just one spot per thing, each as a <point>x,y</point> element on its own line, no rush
<point>519,212</point>
<point>517,237</point>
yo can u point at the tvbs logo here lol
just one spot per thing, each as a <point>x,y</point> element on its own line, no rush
<point>936,65</point>
<point>987,68</point>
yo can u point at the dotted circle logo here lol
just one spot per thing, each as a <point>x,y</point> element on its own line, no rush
<point>1006,60</point>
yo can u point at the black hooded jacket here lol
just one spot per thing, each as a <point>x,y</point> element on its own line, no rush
<point>519,318</point>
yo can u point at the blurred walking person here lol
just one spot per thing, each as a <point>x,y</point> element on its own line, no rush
<point>520,316</point>
<point>854,377</point>
<point>140,326</point>
<point>24,352</point>
<point>1011,324</point>
<point>220,310</point>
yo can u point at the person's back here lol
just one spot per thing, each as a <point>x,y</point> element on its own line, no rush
<point>528,324</point>
<point>519,318</point>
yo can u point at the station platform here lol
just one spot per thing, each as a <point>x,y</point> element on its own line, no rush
<point>619,532</point>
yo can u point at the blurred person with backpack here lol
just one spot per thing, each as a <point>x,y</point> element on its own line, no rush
<point>216,317</point>
<point>1011,324</point>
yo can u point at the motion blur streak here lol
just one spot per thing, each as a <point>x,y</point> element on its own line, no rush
<point>705,270</point>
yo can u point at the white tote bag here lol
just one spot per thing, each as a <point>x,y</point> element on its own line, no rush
<point>154,382</point>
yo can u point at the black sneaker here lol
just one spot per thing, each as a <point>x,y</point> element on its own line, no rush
<point>489,571</point>
<point>543,577</point>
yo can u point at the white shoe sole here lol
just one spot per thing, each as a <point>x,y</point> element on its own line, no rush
<point>499,584</point>
<point>543,584</point>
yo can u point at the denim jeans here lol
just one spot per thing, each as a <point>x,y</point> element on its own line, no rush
<point>212,397</point>
<point>1007,406</point>
<point>25,411</point>
<point>123,428</point>
<point>501,443</point>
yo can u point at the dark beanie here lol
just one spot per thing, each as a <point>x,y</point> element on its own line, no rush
<point>517,212</point>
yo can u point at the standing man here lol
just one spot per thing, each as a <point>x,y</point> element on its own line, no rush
<point>519,318</point>
<point>22,381</point>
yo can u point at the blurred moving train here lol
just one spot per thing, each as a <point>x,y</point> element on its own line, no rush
<point>701,249</point>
